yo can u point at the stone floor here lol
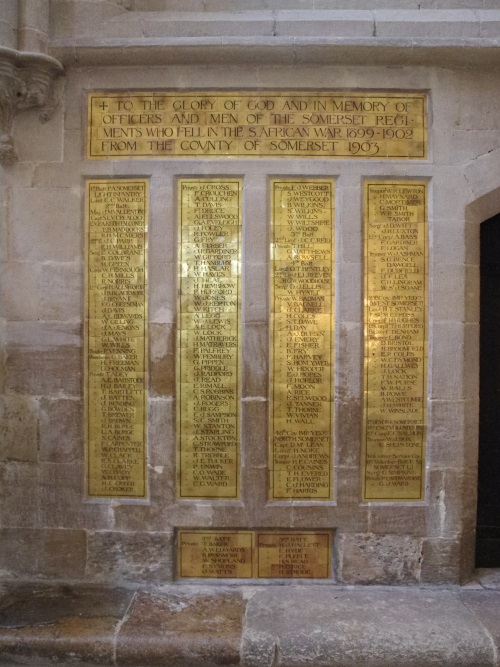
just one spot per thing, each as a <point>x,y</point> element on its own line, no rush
<point>259,626</point>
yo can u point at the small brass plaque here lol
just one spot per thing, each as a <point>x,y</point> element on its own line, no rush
<point>396,272</point>
<point>294,555</point>
<point>302,314</point>
<point>247,554</point>
<point>208,345</point>
<point>367,124</point>
<point>116,337</point>
<point>216,554</point>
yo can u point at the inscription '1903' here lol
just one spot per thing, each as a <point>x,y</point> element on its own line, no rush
<point>367,124</point>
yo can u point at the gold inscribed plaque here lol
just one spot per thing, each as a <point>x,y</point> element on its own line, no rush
<point>368,124</point>
<point>256,554</point>
<point>396,271</point>
<point>216,553</point>
<point>294,555</point>
<point>116,337</point>
<point>302,313</point>
<point>208,346</point>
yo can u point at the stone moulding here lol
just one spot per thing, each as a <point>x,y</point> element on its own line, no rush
<point>27,81</point>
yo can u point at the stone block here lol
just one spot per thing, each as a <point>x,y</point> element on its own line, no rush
<point>61,493</point>
<point>348,427</point>
<point>327,626</point>
<point>43,553</point>
<point>336,23</point>
<point>50,372</point>
<point>452,502</point>
<point>256,303</point>
<point>118,557</point>
<point>19,499</point>
<point>157,513</point>
<point>448,288</point>
<point>18,428</point>
<point>446,360</point>
<point>441,561</point>
<point>435,23</point>
<point>60,291</point>
<point>255,352</point>
<point>162,293</point>
<point>61,430</point>
<point>61,554</point>
<point>19,290</point>
<point>45,225</point>
<point>380,559</point>
<point>161,433</point>
<point>451,435</point>
<point>41,622</point>
<point>162,359</point>
<point>349,361</point>
<point>208,24</point>
<point>175,631</point>
<point>398,519</point>
<point>349,292</point>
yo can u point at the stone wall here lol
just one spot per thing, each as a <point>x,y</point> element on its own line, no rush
<point>48,528</point>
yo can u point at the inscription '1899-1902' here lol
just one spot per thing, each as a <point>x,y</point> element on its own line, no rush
<point>366,124</point>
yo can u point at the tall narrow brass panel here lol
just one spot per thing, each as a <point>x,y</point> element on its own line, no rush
<point>396,271</point>
<point>302,314</point>
<point>116,337</point>
<point>208,346</point>
<point>365,124</point>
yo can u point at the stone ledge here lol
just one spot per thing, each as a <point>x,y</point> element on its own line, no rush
<point>465,53</point>
<point>268,626</point>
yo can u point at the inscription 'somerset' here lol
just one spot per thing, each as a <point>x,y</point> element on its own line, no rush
<point>116,338</point>
<point>302,312</point>
<point>395,340</point>
<point>209,349</point>
<point>205,123</point>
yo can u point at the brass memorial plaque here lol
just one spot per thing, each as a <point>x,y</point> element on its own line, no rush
<point>205,123</point>
<point>216,553</point>
<point>302,314</point>
<point>255,554</point>
<point>116,337</point>
<point>209,347</point>
<point>396,270</point>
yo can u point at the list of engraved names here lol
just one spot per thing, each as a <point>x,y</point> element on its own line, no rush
<point>395,340</point>
<point>302,311</point>
<point>116,338</point>
<point>209,349</point>
<point>365,124</point>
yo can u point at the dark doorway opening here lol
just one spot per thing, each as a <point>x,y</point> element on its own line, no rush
<point>488,513</point>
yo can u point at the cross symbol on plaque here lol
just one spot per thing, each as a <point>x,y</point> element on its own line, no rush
<point>103,105</point>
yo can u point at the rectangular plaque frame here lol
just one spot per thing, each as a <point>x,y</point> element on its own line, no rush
<point>242,123</point>
<point>116,338</point>
<point>302,329</point>
<point>209,338</point>
<point>396,316</point>
<point>254,554</point>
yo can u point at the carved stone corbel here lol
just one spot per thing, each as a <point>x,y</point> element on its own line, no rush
<point>27,81</point>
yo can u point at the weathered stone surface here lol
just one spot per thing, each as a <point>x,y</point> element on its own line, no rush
<point>384,559</point>
<point>348,628</point>
<point>61,430</point>
<point>119,557</point>
<point>18,428</point>
<point>486,607</point>
<point>39,624</point>
<point>179,630</point>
